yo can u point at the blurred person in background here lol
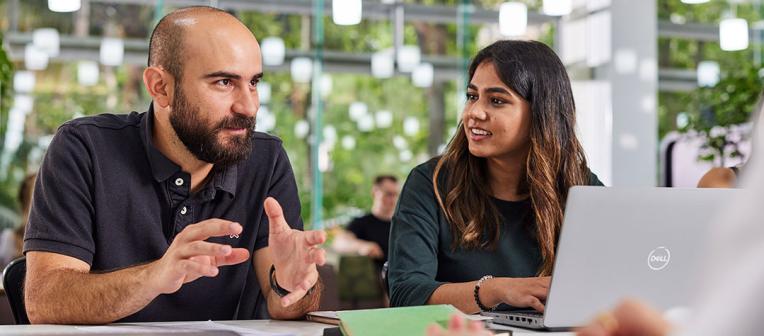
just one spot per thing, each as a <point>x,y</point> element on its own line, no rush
<point>720,177</point>
<point>369,234</point>
<point>478,226</point>
<point>12,240</point>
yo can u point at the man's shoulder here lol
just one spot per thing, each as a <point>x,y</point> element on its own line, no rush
<point>260,137</point>
<point>105,121</point>
<point>266,149</point>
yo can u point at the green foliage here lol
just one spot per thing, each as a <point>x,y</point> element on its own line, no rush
<point>671,105</point>
<point>732,100</point>
<point>728,103</point>
<point>710,12</point>
<point>35,14</point>
<point>6,82</point>
<point>7,186</point>
<point>348,182</point>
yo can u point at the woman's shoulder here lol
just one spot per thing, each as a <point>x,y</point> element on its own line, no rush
<point>424,171</point>
<point>428,167</point>
<point>419,184</point>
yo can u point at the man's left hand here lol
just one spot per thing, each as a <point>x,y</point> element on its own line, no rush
<point>295,254</point>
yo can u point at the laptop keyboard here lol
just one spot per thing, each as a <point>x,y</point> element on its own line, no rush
<point>527,313</point>
<point>522,318</point>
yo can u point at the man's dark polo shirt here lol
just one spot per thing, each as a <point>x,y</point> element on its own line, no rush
<point>107,196</point>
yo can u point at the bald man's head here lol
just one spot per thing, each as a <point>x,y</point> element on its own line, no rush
<point>166,45</point>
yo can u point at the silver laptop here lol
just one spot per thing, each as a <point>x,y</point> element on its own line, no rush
<point>646,243</point>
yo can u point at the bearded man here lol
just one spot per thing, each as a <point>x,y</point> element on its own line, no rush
<point>175,213</point>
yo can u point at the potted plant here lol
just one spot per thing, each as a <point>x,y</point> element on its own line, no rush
<point>723,113</point>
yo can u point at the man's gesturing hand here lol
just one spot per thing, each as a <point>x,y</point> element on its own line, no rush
<point>295,254</point>
<point>189,257</point>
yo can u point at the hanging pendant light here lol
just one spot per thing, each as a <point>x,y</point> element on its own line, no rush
<point>47,40</point>
<point>423,74</point>
<point>347,12</point>
<point>34,58</point>
<point>273,50</point>
<point>112,51</point>
<point>382,64</point>
<point>23,81</point>
<point>513,18</point>
<point>87,73</point>
<point>557,7</point>
<point>302,69</point>
<point>733,34</point>
<point>708,73</point>
<point>64,6</point>
<point>408,58</point>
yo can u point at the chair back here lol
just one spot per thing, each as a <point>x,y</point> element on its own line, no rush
<point>13,283</point>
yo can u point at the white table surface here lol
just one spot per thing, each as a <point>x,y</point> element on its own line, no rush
<point>301,328</point>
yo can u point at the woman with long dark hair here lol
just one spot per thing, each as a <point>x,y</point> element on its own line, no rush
<point>478,226</point>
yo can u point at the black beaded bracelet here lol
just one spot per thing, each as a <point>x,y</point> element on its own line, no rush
<point>477,293</point>
<point>281,291</point>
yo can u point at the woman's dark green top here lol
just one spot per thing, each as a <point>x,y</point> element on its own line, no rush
<point>421,254</point>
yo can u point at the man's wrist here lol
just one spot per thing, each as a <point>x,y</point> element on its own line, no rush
<point>275,287</point>
<point>278,289</point>
<point>148,274</point>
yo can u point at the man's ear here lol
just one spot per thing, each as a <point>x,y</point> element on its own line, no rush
<point>159,84</point>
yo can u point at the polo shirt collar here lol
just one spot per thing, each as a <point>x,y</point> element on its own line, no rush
<point>225,179</point>
<point>162,168</point>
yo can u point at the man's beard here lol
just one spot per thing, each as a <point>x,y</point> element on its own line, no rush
<point>202,140</point>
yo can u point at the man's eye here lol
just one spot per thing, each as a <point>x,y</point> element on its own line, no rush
<point>224,82</point>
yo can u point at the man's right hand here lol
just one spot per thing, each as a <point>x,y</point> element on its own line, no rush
<point>190,257</point>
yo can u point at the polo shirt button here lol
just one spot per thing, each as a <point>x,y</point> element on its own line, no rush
<point>183,211</point>
<point>179,182</point>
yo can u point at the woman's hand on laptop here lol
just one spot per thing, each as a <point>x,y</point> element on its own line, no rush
<point>630,317</point>
<point>516,292</point>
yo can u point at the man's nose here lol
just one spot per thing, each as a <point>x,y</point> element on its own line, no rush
<point>247,103</point>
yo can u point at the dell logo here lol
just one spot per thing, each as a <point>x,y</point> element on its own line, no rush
<point>659,258</point>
